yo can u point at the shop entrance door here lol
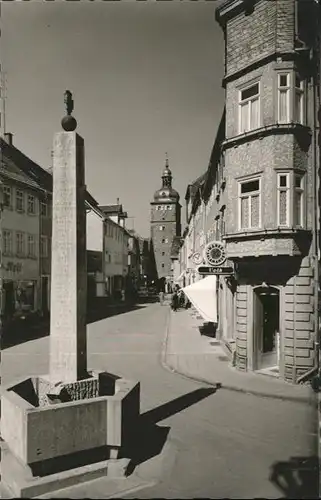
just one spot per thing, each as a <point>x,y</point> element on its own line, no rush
<point>266,326</point>
<point>9,299</point>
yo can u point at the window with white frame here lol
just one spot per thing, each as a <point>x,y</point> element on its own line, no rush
<point>250,204</point>
<point>7,242</point>
<point>283,199</point>
<point>7,196</point>
<point>44,246</point>
<point>19,201</point>
<point>249,108</point>
<point>284,91</point>
<point>31,204</point>
<point>31,245</point>
<point>20,243</point>
<point>298,207</point>
<point>298,107</point>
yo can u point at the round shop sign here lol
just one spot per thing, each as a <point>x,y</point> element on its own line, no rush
<point>197,258</point>
<point>215,253</point>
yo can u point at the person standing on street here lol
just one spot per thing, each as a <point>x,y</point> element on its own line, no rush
<point>174,301</point>
<point>161,297</point>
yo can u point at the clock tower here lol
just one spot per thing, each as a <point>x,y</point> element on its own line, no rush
<point>165,224</point>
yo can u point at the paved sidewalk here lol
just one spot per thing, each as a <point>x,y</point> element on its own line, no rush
<point>202,358</point>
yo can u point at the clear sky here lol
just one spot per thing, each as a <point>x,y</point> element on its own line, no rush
<point>146,79</point>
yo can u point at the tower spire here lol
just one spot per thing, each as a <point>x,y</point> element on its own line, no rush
<point>166,160</point>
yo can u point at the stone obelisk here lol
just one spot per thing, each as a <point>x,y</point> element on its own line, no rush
<point>68,351</point>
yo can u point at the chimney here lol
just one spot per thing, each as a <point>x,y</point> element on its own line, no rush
<point>8,138</point>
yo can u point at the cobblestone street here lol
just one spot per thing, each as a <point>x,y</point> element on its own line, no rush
<point>229,442</point>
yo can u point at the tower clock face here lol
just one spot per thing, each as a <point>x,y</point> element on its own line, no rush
<point>215,253</point>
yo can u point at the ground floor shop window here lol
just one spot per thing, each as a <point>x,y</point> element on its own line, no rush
<point>25,296</point>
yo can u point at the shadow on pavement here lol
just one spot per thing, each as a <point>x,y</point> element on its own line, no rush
<point>22,331</point>
<point>101,313</point>
<point>297,478</point>
<point>177,405</point>
<point>149,439</point>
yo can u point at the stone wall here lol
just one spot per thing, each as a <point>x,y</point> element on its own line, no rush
<point>253,36</point>
<point>297,352</point>
<point>250,37</point>
<point>298,342</point>
<point>241,326</point>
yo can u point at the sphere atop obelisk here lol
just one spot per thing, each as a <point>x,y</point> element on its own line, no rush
<point>69,123</point>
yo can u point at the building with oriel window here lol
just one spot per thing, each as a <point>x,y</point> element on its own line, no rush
<point>270,163</point>
<point>165,225</point>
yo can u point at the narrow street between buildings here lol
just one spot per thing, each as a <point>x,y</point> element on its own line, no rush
<point>200,441</point>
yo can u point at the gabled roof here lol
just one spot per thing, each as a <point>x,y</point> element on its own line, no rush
<point>22,165</point>
<point>193,187</point>
<point>215,157</point>
<point>9,170</point>
<point>111,209</point>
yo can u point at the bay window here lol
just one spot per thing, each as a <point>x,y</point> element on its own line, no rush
<point>290,98</point>
<point>284,89</point>
<point>249,112</point>
<point>250,204</point>
<point>283,199</point>
<point>298,210</point>
<point>298,110</point>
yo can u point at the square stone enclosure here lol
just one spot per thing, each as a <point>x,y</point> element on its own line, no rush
<point>98,413</point>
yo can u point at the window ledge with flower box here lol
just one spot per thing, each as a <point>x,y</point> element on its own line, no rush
<point>297,129</point>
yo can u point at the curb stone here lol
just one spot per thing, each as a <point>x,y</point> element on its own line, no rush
<point>166,365</point>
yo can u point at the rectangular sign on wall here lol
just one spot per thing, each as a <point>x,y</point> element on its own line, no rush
<point>220,270</point>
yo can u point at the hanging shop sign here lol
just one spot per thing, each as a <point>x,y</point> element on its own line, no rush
<point>214,253</point>
<point>197,258</point>
<point>218,270</point>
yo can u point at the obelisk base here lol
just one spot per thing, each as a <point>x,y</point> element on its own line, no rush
<point>52,441</point>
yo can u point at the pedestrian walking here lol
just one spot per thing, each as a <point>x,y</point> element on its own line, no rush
<point>161,298</point>
<point>174,303</point>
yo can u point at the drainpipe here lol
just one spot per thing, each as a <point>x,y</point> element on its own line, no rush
<point>316,207</point>
<point>294,379</point>
<point>316,381</point>
<point>1,258</point>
